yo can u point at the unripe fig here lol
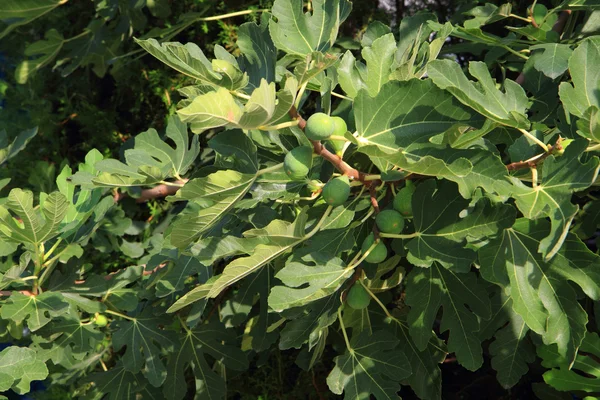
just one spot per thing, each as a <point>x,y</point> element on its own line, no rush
<point>378,254</point>
<point>336,191</point>
<point>319,126</point>
<point>358,298</point>
<point>340,129</point>
<point>297,163</point>
<point>101,320</point>
<point>403,199</point>
<point>390,221</point>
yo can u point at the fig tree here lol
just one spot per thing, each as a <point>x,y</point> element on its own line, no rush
<point>336,191</point>
<point>297,163</point>
<point>390,221</point>
<point>319,126</point>
<point>378,254</point>
<point>403,199</point>
<point>340,129</point>
<point>101,320</point>
<point>358,298</point>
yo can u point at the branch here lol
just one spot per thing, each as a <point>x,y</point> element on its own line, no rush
<point>534,161</point>
<point>320,150</point>
<point>157,191</point>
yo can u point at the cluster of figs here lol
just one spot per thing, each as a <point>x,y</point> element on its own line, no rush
<point>297,165</point>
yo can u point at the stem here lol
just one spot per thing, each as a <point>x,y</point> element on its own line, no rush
<point>372,178</point>
<point>52,249</point>
<point>175,184</point>
<point>84,33</point>
<point>536,140</point>
<point>344,329</point>
<point>341,96</point>
<point>534,176</point>
<point>516,53</point>
<point>353,264</point>
<point>269,169</point>
<point>279,126</point>
<point>38,263</point>
<point>366,217</point>
<point>240,95</point>
<point>118,314</point>
<point>233,14</point>
<point>184,325</point>
<point>519,17</point>
<point>397,236</point>
<point>319,224</point>
<point>593,148</point>
<point>385,310</point>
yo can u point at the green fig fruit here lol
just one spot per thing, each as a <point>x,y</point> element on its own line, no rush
<point>357,297</point>
<point>403,199</point>
<point>297,163</point>
<point>101,320</point>
<point>336,191</point>
<point>378,254</point>
<point>319,126</point>
<point>340,129</point>
<point>390,221</point>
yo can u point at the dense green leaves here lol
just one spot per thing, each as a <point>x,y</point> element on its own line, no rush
<point>540,290</point>
<point>552,196</point>
<point>220,254</point>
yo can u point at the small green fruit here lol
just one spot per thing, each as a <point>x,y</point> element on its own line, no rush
<point>319,126</point>
<point>336,191</point>
<point>390,221</point>
<point>340,129</point>
<point>297,163</point>
<point>378,254</point>
<point>358,298</point>
<point>101,320</point>
<point>403,199</point>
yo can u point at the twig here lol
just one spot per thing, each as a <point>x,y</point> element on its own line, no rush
<point>534,161</point>
<point>314,382</point>
<point>157,191</point>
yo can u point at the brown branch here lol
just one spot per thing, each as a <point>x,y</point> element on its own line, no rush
<point>7,293</point>
<point>334,159</point>
<point>314,382</point>
<point>533,162</point>
<point>157,191</point>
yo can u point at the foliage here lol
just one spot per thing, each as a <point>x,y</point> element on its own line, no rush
<point>495,257</point>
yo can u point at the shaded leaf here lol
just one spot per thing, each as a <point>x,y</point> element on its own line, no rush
<point>373,365</point>
<point>463,298</point>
